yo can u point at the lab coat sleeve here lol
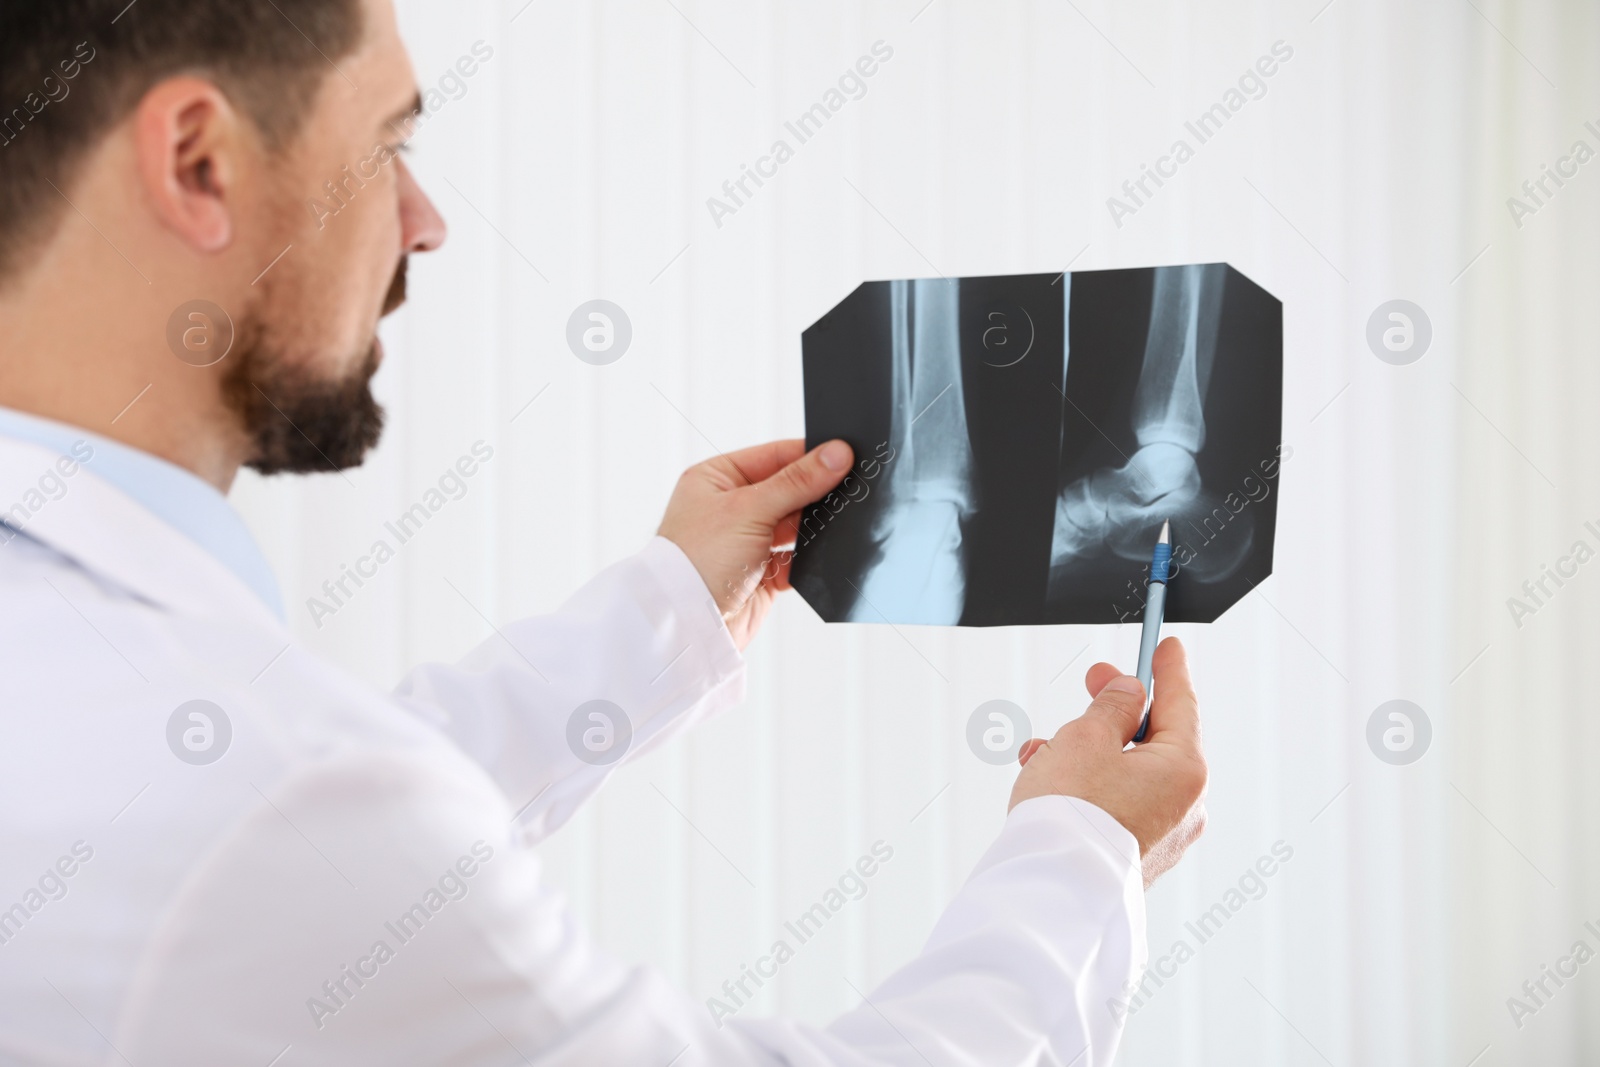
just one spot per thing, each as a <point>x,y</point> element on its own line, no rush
<point>1030,962</point>
<point>551,705</point>
<point>419,930</point>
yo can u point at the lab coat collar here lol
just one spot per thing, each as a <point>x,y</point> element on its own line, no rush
<point>169,492</point>
<point>108,533</point>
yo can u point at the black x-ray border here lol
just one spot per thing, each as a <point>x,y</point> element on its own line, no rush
<point>1033,429</point>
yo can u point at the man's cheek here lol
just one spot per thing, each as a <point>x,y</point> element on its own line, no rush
<point>331,313</point>
<point>346,258</point>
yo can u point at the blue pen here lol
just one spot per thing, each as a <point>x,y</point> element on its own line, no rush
<point>1154,605</point>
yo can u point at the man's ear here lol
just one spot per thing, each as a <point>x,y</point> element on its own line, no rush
<point>189,141</point>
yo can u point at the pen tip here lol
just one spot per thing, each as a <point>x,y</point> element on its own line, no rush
<point>1166,532</point>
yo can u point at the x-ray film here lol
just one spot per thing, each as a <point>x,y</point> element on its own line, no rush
<point>1020,439</point>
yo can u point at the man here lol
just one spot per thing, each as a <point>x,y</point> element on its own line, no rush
<point>218,850</point>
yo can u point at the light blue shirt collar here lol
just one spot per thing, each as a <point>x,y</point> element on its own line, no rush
<point>184,501</point>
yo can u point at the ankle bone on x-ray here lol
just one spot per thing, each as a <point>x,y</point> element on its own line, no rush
<point>920,575</point>
<point>1112,506</point>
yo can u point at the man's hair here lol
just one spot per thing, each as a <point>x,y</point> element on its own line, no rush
<point>72,69</point>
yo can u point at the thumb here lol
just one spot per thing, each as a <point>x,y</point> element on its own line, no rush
<point>1120,706</point>
<point>803,482</point>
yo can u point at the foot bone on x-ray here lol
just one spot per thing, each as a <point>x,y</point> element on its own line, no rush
<point>1120,508</point>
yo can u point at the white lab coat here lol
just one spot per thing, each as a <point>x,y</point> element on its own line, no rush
<point>207,906</point>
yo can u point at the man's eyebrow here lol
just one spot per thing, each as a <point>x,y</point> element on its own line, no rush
<point>402,118</point>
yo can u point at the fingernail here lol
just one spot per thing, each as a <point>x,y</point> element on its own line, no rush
<point>835,455</point>
<point>1125,683</point>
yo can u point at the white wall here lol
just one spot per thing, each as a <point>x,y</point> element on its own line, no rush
<point>1418,498</point>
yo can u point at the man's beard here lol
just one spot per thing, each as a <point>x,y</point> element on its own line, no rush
<point>296,423</point>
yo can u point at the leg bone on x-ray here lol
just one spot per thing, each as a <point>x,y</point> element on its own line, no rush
<point>920,572</point>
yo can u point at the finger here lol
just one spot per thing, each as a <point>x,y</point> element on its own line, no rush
<point>786,531</point>
<point>1119,706</point>
<point>1097,677</point>
<point>760,462</point>
<point>802,482</point>
<point>1029,747</point>
<point>1175,711</point>
<point>776,572</point>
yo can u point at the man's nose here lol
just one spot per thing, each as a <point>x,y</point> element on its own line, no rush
<point>422,228</point>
